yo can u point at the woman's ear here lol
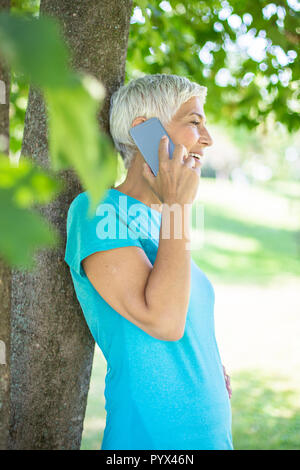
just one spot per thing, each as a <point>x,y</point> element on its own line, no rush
<point>138,120</point>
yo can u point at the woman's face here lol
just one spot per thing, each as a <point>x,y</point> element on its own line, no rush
<point>188,127</point>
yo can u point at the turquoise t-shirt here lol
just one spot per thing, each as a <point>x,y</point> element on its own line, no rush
<point>159,395</point>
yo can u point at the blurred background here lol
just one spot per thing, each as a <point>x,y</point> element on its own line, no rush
<point>246,53</point>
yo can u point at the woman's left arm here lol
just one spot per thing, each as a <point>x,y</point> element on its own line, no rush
<point>227,382</point>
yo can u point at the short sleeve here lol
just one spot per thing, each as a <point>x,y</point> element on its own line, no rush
<point>105,229</point>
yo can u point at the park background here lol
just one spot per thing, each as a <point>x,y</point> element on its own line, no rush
<point>250,191</point>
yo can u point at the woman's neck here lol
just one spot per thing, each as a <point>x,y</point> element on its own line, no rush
<point>137,187</point>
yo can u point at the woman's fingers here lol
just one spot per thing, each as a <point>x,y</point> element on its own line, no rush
<point>194,164</point>
<point>163,149</point>
<point>180,154</point>
<point>190,162</point>
<point>227,382</point>
<point>147,173</point>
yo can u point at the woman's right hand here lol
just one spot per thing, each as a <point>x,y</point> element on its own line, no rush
<point>178,178</point>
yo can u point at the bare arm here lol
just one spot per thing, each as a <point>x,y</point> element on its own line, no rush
<point>155,298</point>
<point>168,288</point>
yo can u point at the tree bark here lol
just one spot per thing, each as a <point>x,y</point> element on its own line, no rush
<point>5,271</point>
<point>52,349</point>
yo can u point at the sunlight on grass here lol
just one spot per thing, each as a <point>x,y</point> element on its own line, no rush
<point>249,234</point>
<point>230,240</point>
<point>266,417</point>
<point>251,204</point>
<point>95,416</point>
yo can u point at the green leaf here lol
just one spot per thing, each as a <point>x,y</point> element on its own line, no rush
<point>34,47</point>
<point>28,183</point>
<point>75,138</point>
<point>22,229</point>
<point>22,232</point>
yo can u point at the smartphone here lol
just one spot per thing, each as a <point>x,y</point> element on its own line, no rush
<point>147,136</point>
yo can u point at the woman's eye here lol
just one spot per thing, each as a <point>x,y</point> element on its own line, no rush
<point>195,122</point>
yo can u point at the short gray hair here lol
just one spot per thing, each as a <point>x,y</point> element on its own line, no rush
<point>157,95</point>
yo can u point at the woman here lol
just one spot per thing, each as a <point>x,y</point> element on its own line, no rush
<point>149,307</point>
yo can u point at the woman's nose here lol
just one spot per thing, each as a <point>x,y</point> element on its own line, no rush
<point>205,137</point>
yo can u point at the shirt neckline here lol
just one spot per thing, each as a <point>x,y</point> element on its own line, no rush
<point>137,200</point>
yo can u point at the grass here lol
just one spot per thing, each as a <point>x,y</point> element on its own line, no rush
<point>251,254</point>
<point>265,412</point>
<point>251,235</point>
<point>94,422</point>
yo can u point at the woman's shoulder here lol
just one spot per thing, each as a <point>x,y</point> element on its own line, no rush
<point>82,201</point>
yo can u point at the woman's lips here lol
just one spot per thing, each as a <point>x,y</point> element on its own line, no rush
<point>198,158</point>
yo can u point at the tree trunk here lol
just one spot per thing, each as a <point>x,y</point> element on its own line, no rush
<point>5,271</point>
<point>52,349</point>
